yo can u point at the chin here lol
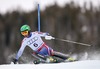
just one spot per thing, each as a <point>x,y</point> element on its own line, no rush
<point>25,35</point>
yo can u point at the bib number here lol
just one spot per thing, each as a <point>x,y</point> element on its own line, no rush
<point>35,45</point>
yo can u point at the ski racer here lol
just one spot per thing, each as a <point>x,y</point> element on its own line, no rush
<point>35,42</point>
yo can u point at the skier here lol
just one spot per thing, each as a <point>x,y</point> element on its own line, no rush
<point>35,42</point>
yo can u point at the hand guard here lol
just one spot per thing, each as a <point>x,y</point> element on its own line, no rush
<point>49,37</point>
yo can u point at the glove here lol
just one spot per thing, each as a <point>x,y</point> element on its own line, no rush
<point>15,61</point>
<point>49,37</point>
<point>47,34</point>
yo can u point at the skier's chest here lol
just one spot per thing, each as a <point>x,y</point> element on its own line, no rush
<point>32,39</point>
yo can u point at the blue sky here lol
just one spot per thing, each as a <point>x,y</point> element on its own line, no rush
<point>28,5</point>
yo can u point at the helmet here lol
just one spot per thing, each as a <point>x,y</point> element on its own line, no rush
<point>25,28</point>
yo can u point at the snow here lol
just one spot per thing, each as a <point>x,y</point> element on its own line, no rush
<point>86,64</point>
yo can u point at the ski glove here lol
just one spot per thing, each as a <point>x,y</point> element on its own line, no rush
<point>49,37</point>
<point>47,34</point>
<point>15,61</point>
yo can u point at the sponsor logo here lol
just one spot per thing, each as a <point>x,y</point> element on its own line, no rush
<point>31,41</point>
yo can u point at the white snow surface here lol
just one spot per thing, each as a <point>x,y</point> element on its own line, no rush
<point>86,64</point>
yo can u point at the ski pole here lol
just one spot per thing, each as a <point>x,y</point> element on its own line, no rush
<point>71,41</point>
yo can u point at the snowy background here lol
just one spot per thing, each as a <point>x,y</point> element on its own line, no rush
<point>76,20</point>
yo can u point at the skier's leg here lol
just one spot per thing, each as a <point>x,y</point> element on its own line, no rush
<point>63,56</point>
<point>47,52</point>
<point>39,58</point>
<point>60,55</point>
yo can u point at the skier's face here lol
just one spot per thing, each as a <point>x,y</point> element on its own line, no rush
<point>24,33</point>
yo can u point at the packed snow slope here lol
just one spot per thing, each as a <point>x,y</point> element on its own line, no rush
<point>87,64</point>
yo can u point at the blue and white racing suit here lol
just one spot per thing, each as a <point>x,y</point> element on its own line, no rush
<point>35,42</point>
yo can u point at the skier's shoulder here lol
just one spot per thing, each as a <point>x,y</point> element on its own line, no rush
<point>36,32</point>
<point>39,32</point>
<point>24,39</point>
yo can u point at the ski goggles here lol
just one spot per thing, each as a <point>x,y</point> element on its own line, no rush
<point>24,33</point>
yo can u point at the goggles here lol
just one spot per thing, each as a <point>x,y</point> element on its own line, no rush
<point>24,33</point>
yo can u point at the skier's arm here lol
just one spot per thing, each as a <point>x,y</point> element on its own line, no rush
<point>46,35</point>
<point>19,53</point>
<point>43,34</point>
